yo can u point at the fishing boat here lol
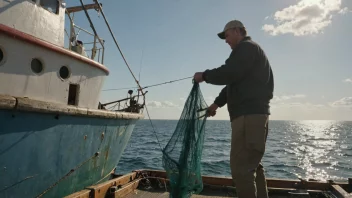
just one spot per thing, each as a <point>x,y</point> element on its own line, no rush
<point>56,138</point>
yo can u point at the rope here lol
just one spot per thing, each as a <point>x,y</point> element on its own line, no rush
<point>117,45</point>
<point>29,177</point>
<point>68,174</point>
<point>149,85</point>
<point>129,68</point>
<point>167,82</point>
<point>153,128</point>
<point>109,174</point>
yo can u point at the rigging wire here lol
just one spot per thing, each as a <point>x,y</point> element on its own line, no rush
<point>139,86</point>
<point>117,45</point>
<point>154,85</point>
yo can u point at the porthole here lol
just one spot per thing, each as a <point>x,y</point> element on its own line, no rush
<point>64,72</point>
<point>36,66</point>
<point>1,55</point>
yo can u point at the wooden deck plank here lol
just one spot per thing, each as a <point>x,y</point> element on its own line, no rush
<point>271,182</point>
<point>124,191</point>
<point>100,190</point>
<point>80,194</point>
<point>340,192</point>
<point>161,194</point>
<point>144,183</point>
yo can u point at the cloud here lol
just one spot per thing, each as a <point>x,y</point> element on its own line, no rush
<point>183,99</point>
<point>305,106</point>
<point>162,104</point>
<point>343,102</point>
<point>304,18</point>
<point>344,10</point>
<point>348,80</point>
<point>278,99</point>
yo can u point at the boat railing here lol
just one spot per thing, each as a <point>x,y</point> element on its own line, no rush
<point>97,44</point>
<point>130,104</point>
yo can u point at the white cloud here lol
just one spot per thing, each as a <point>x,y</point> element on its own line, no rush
<point>309,111</point>
<point>348,80</point>
<point>343,102</point>
<point>303,105</point>
<point>304,18</point>
<point>278,99</point>
<point>162,104</point>
<point>154,104</point>
<point>344,10</point>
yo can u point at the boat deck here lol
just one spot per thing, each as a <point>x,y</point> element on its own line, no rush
<point>151,194</point>
<point>151,183</point>
<point>206,193</point>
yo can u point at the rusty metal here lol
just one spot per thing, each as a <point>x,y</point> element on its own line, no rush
<point>102,136</point>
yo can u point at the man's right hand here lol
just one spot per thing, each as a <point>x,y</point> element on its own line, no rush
<point>212,109</point>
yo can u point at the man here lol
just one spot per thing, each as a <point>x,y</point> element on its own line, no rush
<point>249,87</point>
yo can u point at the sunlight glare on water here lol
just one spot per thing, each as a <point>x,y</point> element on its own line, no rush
<point>316,147</point>
<point>319,150</point>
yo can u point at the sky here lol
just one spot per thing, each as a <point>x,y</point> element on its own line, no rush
<point>307,43</point>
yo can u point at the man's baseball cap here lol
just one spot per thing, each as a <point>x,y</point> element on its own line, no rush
<point>229,25</point>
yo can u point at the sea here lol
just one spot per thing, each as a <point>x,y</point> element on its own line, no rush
<point>320,150</point>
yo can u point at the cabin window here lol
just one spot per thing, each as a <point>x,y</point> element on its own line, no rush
<point>73,94</point>
<point>36,66</point>
<point>2,56</point>
<point>50,5</point>
<point>64,72</point>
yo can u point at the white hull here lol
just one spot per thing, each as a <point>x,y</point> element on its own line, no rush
<point>17,78</point>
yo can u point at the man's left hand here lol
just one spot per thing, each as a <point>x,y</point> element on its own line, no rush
<point>198,77</point>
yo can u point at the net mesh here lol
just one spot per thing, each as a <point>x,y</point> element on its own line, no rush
<point>182,154</point>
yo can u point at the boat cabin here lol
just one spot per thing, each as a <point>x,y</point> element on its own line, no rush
<point>34,62</point>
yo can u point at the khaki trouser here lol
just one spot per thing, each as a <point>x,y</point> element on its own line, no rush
<point>249,134</point>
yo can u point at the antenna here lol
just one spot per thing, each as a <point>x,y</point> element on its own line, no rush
<point>140,65</point>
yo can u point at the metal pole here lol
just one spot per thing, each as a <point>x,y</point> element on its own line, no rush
<point>90,21</point>
<point>94,48</point>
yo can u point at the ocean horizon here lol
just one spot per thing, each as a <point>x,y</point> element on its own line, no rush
<point>307,149</point>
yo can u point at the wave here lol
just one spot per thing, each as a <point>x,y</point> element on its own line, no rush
<point>294,149</point>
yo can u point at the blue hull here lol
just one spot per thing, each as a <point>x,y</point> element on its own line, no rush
<point>49,156</point>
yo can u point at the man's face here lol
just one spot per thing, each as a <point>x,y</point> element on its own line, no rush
<point>232,37</point>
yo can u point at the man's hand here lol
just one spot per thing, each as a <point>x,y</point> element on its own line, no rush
<point>198,77</point>
<point>212,109</point>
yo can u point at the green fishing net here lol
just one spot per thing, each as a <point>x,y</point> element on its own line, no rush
<point>182,154</point>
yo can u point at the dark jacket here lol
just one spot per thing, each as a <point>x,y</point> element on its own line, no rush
<point>248,78</point>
